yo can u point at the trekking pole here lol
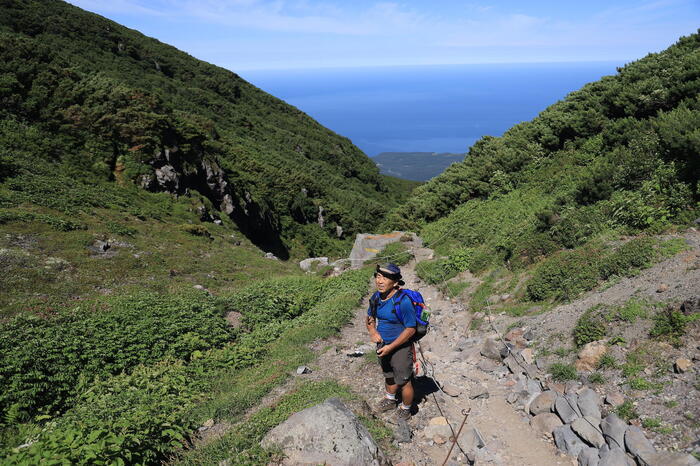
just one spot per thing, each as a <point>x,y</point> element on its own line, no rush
<point>454,439</point>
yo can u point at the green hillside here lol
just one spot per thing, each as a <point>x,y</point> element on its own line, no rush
<point>86,98</point>
<point>418,166</point>
<point>617,157</point>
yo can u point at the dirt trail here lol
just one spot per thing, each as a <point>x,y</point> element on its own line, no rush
<point>507,436</point>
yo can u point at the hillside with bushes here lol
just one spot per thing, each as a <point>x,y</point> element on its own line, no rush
<point>143,192</point>
<point>617,157</point>
<point>92,101</point>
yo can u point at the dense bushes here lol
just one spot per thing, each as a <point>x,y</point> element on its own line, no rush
<point>615,156</point>
<point>138,417</point>
<point>568,273</point>
<point>43,361</point>
<point>128,100</point>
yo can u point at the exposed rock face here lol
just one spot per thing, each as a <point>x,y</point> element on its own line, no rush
<point>567,408</point>
<point>586,428</point>
<point>328,433</point>
<point>367,246</point>
<point>638,445</point>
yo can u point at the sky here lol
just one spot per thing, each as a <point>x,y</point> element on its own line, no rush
<point>303,34</point>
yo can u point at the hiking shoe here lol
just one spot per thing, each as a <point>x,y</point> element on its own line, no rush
<point>403,414</point>
<point>386,405</point>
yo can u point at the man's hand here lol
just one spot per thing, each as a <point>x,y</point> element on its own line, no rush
<point>385,350</point>
<point>375,337</point>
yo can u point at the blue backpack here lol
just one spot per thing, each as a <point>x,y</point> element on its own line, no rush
<point>422,313</point>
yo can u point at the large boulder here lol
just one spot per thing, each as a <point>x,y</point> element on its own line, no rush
<point>328,433</point>
<point>367,246</point>
<point>590,355</point>
<point>307,264</point>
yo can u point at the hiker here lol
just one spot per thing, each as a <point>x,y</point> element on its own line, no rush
<point>393,338</point>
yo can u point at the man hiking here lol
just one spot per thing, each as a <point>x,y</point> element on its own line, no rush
<point>393,334</point>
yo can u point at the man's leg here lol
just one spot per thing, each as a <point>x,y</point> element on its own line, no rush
<point>407,394</point>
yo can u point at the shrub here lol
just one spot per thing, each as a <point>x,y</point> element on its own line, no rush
<point>607,361</point>
<point>565,275</point>
<point>670,323</point>
<point>626,411</point>
<point>589,327</point>
<point>637,253</point>
<point>596,378</point>
<point>141,416</point>
<point>196,230</point>
<point>274,300</point>
<point>562,372</point>
<point>433,271</point>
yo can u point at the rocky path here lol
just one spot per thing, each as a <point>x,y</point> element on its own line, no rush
<point>494,432</point>
<point>498,394</point>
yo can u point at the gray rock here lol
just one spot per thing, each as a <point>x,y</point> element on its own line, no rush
<point>303,370</point>
<point>471,441</point>
<point>588,457</point>
<point>567,441</point>
<point>326,433</point>
<point>545,423</point>
<point>589,403</point>
<point>614,430</point>
<point>567,408</point>
<point>269,255</point>
<point>587,429</point>
<point>366,246</point>
<point>478,391</point>
<point>637,444</point>
<point>492,348</point>
<point>669,458</point>
<point>613,457</point>
<point>543,403</point>
<point>402,434</point>
<point>307,264</point>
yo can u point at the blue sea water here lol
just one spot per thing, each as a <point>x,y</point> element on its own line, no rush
<point>426,108</point>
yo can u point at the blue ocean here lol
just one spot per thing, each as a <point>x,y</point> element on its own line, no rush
<point>426,108</point>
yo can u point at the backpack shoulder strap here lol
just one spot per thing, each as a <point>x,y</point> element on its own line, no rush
<point>400,294</point>
<point>374,304</point>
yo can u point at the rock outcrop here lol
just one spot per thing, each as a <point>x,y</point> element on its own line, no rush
<point>328,433</point>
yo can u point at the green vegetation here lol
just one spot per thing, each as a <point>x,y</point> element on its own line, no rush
<point>589,327</point>
<point>242,442</point>
<point>141,414</point>
<point>563,372</point>
<point>106,107</point>
<point>612,159</point>
<point>626,411</point>
<point>597,378</point>
<point>671,323</point>
<point>398,253</point>
<point>607,361</point>
<point>568,273</point>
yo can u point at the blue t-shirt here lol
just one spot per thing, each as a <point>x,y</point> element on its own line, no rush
<point>388,324</point>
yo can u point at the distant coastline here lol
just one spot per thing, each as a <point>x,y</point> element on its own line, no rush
<point>415,166</point>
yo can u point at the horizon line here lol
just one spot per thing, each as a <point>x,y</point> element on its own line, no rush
<point>419,65</point>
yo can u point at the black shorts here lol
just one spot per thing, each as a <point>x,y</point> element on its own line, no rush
<point>399,364</point>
